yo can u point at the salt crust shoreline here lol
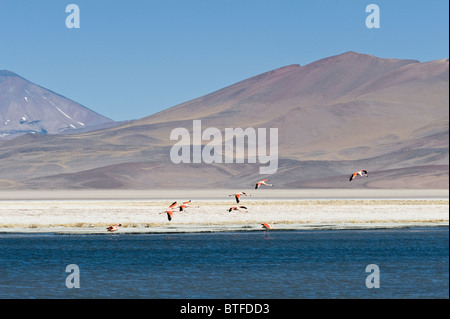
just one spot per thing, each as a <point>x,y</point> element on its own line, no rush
<point>90,212</point>
<point>213,229</point>
<point>262,193</point>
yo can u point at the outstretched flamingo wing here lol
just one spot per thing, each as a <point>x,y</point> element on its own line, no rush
<point>173,205</point>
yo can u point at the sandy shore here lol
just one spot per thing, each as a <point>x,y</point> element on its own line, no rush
<point>218,194</point>
<point>90,212</point>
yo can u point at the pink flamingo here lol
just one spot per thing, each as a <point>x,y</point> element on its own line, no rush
<point>237,196</point>
<point>362,172</point>
<point>267,227</point>
<point>169,211</point>
<point>262,182</point>
<point>185,205</point>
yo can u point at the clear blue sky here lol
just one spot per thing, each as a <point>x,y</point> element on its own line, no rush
<point>130,59</point>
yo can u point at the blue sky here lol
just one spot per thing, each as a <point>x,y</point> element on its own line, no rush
<point>131,59</point>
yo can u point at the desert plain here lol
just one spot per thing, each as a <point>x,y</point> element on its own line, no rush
<point>142,211</point>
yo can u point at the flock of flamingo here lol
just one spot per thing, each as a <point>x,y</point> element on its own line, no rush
<point>237,196</point>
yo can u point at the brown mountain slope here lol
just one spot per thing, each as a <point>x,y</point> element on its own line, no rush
<point>327,106</point>
<point>333,116</point>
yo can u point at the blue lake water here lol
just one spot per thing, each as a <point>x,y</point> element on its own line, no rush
<point>413,263</point>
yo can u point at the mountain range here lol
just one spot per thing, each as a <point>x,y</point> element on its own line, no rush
<point>334,116</point>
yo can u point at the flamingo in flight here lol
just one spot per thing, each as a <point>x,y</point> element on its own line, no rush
<point>267,227</point>
<point>237,196</point>
<point>362,172</point>
<point>185,205</point>
<point>262,182</point>
<point>169,211</point>
<point>239,208</point>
